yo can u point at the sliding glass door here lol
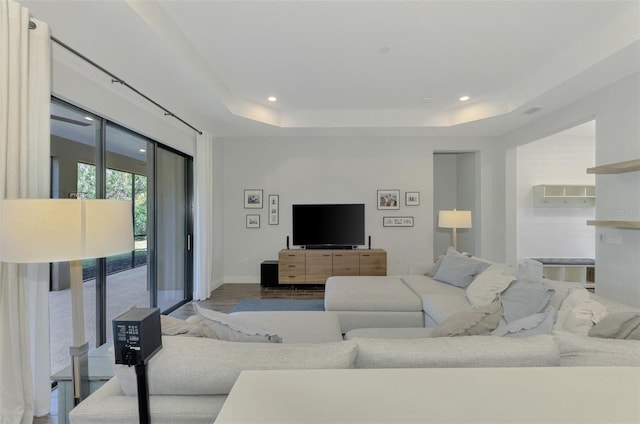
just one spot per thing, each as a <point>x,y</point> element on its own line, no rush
<point>173,229</point>
<point>94,158</point>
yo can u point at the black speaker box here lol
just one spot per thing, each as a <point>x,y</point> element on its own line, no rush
<point>269,273</point>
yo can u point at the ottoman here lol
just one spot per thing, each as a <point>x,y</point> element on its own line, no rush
<point>372,302</point>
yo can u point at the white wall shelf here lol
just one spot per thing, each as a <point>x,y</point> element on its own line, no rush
<point>616,168</point>
<point>564,196</point>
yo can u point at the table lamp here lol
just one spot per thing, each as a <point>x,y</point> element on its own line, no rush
<point>56,230</point>
<point>454,219</point>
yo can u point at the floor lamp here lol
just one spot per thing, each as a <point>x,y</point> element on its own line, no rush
<point>454,219</point>
<point>61,230</point>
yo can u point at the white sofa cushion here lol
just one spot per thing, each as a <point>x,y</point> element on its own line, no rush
<point>584,351</point>
<point>439,307</point>
<point>621,325</point>
<point>108,404</point>
<point>370,293</point>
<point>201,366</point>
<point>421,285</point>
<point>297,326</point>
<point>452,352</point>
<point>389,333</point>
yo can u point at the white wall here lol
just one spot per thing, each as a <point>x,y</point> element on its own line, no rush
<point>82,85</point>
<point>555,232</point>
<point>616,109</point>
<point>335,170</point>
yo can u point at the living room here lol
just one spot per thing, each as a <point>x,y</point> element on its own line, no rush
<point>346,157</point>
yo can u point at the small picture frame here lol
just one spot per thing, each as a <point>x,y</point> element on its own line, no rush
<point>253,221</point>
<point>388,199</point>
<point>253,199</point>
<point>397,221</point>
<point>274,209</point>
<point>412,198</point>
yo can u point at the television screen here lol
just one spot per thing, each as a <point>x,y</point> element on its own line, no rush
<point>340,225</point>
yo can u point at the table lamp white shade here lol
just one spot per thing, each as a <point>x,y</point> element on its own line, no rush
<point>454,219</point>
<point>54,230</point>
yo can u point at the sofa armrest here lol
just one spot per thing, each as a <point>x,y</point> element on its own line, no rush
<point>109,404</point>
<point>95,408</point>
<point>420,268</point>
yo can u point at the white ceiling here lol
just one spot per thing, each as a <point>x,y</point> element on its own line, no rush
<point>355,67</point>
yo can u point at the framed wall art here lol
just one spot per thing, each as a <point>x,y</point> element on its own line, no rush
<point>397,221</point>
<point>388,199</point>
<point>253,221</point>
<point>412,198</point>
<point>253,199</point>
<point>274,209</point>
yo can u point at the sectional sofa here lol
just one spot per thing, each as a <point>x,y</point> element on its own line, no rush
<point>432,293</point>
<point>566,326</point>
<point>190,378</point>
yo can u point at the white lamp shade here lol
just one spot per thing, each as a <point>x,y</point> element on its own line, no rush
<point>54,230</point>
<point>454,219</point>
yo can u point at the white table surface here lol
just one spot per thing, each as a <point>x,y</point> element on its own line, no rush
<point>573,395</point>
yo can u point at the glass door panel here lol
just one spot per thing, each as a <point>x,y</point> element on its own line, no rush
<point>172,216</point>
<point>128,165</point>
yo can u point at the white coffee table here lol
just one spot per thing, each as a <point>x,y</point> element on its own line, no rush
<point>438,395</point>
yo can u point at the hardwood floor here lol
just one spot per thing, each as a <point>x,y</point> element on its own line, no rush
<point>222,299</point>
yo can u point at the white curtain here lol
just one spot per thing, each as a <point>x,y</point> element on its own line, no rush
<point>25,90</point>
<point>203,225</point>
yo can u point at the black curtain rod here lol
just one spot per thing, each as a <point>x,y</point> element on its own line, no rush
<point>115,79</point>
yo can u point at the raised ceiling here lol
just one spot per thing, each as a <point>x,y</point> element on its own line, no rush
<point>355,67</point>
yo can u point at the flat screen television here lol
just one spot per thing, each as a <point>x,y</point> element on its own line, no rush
<point>328,226</point>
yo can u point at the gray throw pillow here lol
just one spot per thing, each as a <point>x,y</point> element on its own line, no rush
<point>525,296</point>
<point>458,269</point>
<point>621,325</point>
<point>532,325</point>
<point>475,321</point>
<point>435,267</point>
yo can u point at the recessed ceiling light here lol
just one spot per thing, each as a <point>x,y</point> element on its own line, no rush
<point>464,98</point>
<point>272,99</point>
<point>142,150</point>
<point>88,118</point>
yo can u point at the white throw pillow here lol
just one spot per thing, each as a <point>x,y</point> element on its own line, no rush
<point>579,312</point>
<point>486,287</point>
<point>171,326</point>
<point>233,328</point>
